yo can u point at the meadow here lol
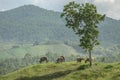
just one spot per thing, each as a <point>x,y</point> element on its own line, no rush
<point>67,71</point>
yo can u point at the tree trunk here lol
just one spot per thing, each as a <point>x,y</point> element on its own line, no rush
<point>90,58</point>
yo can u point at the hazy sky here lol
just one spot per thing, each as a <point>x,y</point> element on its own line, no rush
<point>109,7</point>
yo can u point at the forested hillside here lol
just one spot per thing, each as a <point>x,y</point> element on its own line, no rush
<point>30,23</point>
<point>19,51</point>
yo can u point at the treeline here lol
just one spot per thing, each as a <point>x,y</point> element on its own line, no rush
<point>12,64</point>
<point>109,58</point>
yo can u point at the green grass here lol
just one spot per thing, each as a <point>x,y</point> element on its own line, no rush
<point>67,71</point>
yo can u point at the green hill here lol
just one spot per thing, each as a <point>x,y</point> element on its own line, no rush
<point>67,71</point>
<point>19,51</point>
<point>30,23</point>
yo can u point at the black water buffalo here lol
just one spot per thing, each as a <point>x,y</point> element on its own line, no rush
<point>87,59</point>
<point>60,59</point>
<point>43,59</point>
<point>79,59</point>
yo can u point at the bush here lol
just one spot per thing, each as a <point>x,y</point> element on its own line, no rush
<point>108,67</point>
<point>82,67</point>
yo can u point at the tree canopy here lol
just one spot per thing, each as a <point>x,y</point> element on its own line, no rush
<point>83,19</point>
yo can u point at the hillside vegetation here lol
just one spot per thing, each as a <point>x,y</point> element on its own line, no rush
<point>67,71</point>
<point>19,51</point>
<point>30,23</point>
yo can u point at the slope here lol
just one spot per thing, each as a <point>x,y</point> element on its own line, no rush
<point>30,23</point>
<point>66,71</point>
<point>8,51</point>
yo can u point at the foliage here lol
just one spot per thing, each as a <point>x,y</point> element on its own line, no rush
<point>109,58</point>
<point>83,19</point>
<point>30,23</point>
<point>12,64</point>
<point>7,50</point>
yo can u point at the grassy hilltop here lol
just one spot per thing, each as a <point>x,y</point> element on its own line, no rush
<point>67,71</point>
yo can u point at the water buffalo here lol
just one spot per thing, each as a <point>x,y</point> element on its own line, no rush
<point>87,60</point>
<point>43,59</point>
<point>79,59</point>
<point>60,59</point>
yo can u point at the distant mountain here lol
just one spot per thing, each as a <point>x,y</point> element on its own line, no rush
<point>30,23</point>
<point>110,31</point>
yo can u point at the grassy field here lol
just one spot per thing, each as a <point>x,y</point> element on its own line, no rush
<point>67,71</point>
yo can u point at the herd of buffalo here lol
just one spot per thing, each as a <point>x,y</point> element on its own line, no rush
<point>62,59</point>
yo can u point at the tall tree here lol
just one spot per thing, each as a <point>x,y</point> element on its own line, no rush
<point>83,19</point>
